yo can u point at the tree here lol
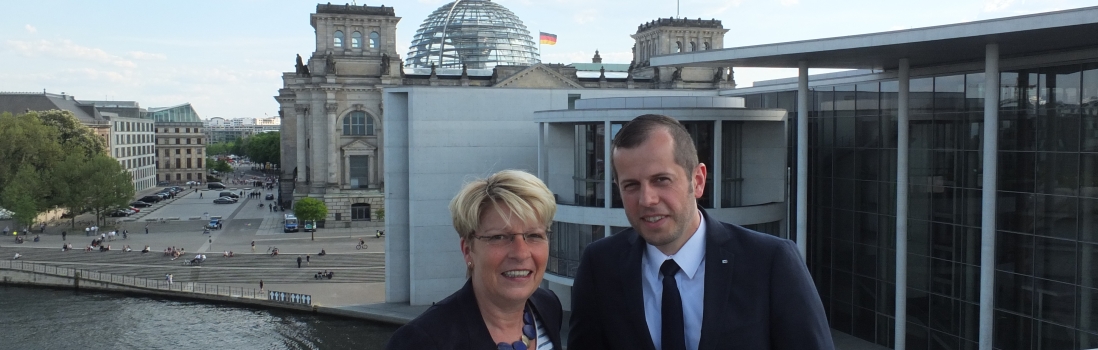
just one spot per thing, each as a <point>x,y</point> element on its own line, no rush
<point>25,140</point>
<point>219,165</point>
<point>264,148</point>
<point>22,196</point>
<point>309,208</point>
<point>69,186</point>
<point>109,185</point>
<point>73,133</point>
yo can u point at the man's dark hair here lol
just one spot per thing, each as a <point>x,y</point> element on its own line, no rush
<point>637,131</point>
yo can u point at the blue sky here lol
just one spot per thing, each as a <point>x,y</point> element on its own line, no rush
<point>226,57</point>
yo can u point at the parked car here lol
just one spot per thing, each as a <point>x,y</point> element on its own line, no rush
<point>270,197</point>
<point>151,199</point>
<point>224,200</point>
<point>189,183</point>
<point>228,194</point>
<point>162,183</point>
<point>134,209</point>
<point>118,213</point>
<point>140,204</point>
<point>215,186</point>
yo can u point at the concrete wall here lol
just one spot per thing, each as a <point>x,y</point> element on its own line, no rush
<point>764,162</point>
<point>446,136</point>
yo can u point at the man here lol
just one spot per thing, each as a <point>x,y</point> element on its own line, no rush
<point>728,287</point>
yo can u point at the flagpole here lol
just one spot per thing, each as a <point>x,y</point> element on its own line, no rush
<point>539,47</point>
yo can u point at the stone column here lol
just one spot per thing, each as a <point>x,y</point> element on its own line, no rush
<point>301,112</point>
<point>332,157</point>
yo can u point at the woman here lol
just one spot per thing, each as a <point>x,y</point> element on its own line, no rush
<point>503,223</point>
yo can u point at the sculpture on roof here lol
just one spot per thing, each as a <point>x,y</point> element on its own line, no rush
<point>677,74</point>
<point>329,64</point>
<point>301,68</point>
<point>384,64</point>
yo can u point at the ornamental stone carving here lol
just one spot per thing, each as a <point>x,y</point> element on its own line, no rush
<point>331,107</point>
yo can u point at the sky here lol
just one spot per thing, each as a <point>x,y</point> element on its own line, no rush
<point>226,57</point>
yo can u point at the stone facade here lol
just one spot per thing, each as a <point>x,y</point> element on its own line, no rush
<point>180,152</point>
<point>679,35</point>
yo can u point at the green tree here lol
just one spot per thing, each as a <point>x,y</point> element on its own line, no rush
<point>69,186</point>
<point>109,185</point>
<point>264,148</point>
<point>219,165</point>
<point>309,208</point>
<point>22,195</point>
<point>73,133</point>
<point>26,141</point>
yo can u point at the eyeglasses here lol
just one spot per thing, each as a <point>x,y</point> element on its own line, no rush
<point>533,238</point>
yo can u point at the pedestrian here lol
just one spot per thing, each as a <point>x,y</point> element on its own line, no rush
<point>253,248</point>
<point>199,195</point>
<point>87,231</point>
<point>63,233</point>
<point>270,208</point>
<point>299,262</point>
<point>6,229</point>
<point>260,284</point>
<point>146,229</point>
<point>306,259</point>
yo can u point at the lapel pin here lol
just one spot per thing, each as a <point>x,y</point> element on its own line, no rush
<point>724,261</point>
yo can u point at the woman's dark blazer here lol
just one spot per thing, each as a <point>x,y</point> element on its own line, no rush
<point>456,323</point>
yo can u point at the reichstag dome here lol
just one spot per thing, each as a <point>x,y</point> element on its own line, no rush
<point>478,33</point>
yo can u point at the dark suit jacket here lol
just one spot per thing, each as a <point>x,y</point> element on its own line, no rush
<point>456,323</point>
<point>758,294</point>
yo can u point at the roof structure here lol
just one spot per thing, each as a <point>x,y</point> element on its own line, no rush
<point>476,33</point>
<point>21,102</point>
<point>929,46</point>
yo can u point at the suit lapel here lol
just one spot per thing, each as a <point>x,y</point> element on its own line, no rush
<point>633,291</point>
<point>719,279</point>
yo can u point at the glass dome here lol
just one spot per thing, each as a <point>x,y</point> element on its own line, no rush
<point>478,33</point>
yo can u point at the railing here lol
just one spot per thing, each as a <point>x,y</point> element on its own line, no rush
<point>135,282</point>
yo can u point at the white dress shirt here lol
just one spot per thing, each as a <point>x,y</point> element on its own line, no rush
<point>691,282</point>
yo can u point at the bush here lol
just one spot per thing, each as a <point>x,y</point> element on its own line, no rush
<point>212,179</point>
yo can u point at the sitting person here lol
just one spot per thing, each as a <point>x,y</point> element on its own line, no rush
<point>64,247</point>
<point>88,249</point>
<point>127,248</point>
<point>17,256</point>
<point>227,254</point>
<point>36,239</point>
<point>146,250</point>
<point>322,253</point>
<point>330,274</point>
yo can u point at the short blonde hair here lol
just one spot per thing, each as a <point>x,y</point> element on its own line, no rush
<point>527,197</point>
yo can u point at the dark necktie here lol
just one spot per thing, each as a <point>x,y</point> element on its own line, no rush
<point>673,324</point>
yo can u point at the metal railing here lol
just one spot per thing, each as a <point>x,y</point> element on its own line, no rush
<point>135,282</point>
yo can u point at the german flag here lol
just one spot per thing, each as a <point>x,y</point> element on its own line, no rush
<point>548,39</point>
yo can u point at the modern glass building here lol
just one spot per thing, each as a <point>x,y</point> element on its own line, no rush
<point>480,34</point>
<point>947,190</point>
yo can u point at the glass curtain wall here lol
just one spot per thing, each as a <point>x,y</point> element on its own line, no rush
<point>1047,213</point>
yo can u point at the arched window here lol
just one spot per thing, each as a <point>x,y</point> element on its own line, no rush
<point>375,40</point>
<point>693,46</point>
<point>338,38</point>
<point>678,46</point>
<point>355,124</point>
<point>707,47</point>
<point>369,126</point>
<point>356,40</point>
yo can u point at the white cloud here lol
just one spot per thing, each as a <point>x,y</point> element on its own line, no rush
<point>788,3</point>
<point>586,16</point>
<point>138,55</point>
<point>997,5</point>
<point>67,50</point>
<point>31,29</point>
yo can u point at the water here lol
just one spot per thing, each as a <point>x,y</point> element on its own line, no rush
<point>40,318</point>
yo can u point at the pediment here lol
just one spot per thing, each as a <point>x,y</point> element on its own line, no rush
<point>538,76</point>
<point>359,146</point>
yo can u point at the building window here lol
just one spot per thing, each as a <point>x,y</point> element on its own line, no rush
<point>355,124</point>
<point>356,40</point>
<point>188,176</point>
<point>369,126</point>
<point>693,46</point>
<point>188,141</point>
<point>188,151</point>
<point>338,38</point>
<point>375,40</point>
<point>200,162</point>
<point>360,212</point>
<point>189,165</point>
<point>178,163</point>
<point>179,177</point>
<point>678,46</point>
<point>360,170</point>
<point>176,151</point>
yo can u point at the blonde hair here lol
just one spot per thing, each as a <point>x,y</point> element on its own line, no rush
<point>527,197</point>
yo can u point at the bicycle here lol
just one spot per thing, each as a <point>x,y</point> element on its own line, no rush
<point>361,245</point>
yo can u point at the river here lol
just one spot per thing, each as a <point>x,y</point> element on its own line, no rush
<point>43,318</point>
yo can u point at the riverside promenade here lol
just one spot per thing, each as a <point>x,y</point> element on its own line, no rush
<point>356,290</point>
